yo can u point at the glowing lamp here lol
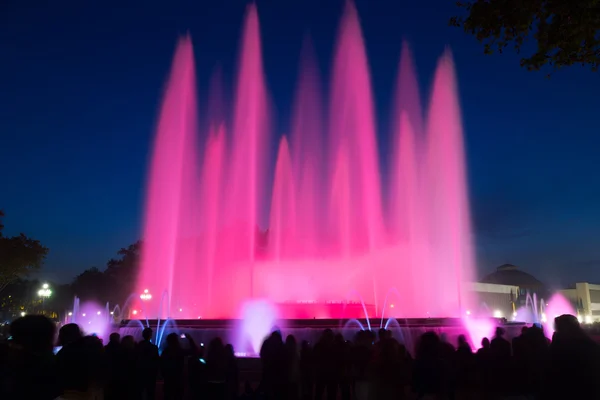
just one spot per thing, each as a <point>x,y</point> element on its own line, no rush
<point>497,314</point>
<point>146,295</point>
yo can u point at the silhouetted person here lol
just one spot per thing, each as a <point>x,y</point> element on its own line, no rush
<point>429,368</point>
<point>484,362</point>
<point>272,358</point>
<point>217,365</point>
<point>306,371</point>
<point>325,366</point>
<point>147,365</point>
<point>116,370</point>
<point>573,368</point>
<point>80,363</point>
<point>30,364</point>
<point>129,388</point>
<point>172,363</point>
<point>465,365</point>
<point>292,367</point>
<point>501,354</point>
<point>231,372</point>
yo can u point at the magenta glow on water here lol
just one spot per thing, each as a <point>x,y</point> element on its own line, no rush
<point>332,230</point>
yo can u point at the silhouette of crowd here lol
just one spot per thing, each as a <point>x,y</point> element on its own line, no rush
<point>369,367</point>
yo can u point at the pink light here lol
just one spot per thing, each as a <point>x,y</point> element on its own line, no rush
<point>258,318</point>
<point>333,231</point>
<point>557,306</point>
<point>478,329</point>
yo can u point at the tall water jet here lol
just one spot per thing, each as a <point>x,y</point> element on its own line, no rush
<point>448,207</point>
<point>282,223</point>
<point>247,168</point>
<point>211,196</point>
<point>170,176</point>
<point>352,130</point>
<point>307,152</point>
<point>202,244</point>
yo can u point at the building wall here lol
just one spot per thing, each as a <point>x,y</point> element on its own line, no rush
<point>587,298</point>
<point>497,300</point>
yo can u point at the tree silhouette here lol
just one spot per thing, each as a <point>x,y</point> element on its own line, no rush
<point>19,256</point>
<point>566,32</point>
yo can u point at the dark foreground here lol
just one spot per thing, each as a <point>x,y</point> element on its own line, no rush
<point>367,367</point>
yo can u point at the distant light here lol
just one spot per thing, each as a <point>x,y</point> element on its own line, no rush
<point>134,312</point>
<point>45,286</point>
<point>498,314</point>
<point>181,309</point>
<point>112,312</point>
<point>146,295</point>
<point>83,315</point>
<point>99,312</point>
<point>22,313</point>
<point>544,318</point>
<point>588,319</point>
<point>468,312</point>
<point>580,319</point>
<point>199,317</point>
<point>391,306</point>
<point>70,313</point>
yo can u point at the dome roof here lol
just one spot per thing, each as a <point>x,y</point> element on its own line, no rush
<point>509,274</point>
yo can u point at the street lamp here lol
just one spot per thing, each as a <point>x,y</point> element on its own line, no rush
<point>44,292</point>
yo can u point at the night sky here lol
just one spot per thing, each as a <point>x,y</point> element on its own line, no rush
<point>80,85</point>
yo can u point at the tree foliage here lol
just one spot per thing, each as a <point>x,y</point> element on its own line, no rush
<point>115,283</point>
<point>566,32</point>
<point>19,256</point>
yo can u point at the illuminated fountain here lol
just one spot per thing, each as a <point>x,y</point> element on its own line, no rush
<point>542,312</point>
<point>332,231</point>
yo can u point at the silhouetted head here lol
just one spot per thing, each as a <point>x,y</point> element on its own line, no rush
<point>114,338</point>
<point>327,335</point>
<point>290,341</point>
<point>68,334</point>
<point>444,337</point>
<point>147,333</point>
<point>34,333</point>
<point>173,340</point>
<point>500,331</point>
<point>276,336</point>
<point>524,330</point>
<point>428,346</point>
<point>462,340</point>
<point>567,324</point>
<point>485,343</point>
<point>382,334</point>
<point>229,350</point>
<point>128,342</point>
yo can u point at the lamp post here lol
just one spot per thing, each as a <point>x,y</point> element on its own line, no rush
<point>44,293</point>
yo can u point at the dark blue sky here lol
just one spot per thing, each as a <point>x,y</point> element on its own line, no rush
<point>80,84</point>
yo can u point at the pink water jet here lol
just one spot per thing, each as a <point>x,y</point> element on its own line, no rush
<point>331,231</point>
<point>557,305</point>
